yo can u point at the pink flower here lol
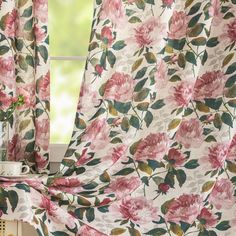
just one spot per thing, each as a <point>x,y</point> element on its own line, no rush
<point>49,206</point>
<point>42,134</point>
<point>137,209</point>
<point>28,92</point>
<point>85,157</point>
<point>231,31</point>
<point>179,25</point>
<point>41,161</point>
<point>5,100</point>
<point>122,186</point>
<point>161,76</point>
<point>167,3</point>
<point>11,23</point>
<point>41,10</point>
<point>176,157</point>
<point>70,185</point>
<point>186,208</point>
<point>7,70</point>
<point>207,218</point>
<point>85,230</point>
<point>210,85</point>
<point>150,32</point>
<point>217,154</point>
<point>97,133</point>
<point>231,156</point>
<point>181,94</point>
<point>115,153</point>
<point>215,12</point>
<point>54,213</point>
<point>40,34</point>
<point>107,36</point>
<point>190,133</point>
<point>119,87</point>
<point>99,69</point>
<point>88,99</point>
<point>113,10</point>
<point>153,147</point>
<point>163,187</point>
<point>222,194</point>
<point>43,87</point>
<point>16,148</point>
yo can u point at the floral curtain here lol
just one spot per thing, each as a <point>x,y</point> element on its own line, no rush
<point>24,71</point>
<point>154,145</point>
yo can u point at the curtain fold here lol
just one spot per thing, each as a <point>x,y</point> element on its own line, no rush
<point>24,70</point>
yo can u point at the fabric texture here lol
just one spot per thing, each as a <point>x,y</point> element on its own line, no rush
<point>24,70</point>
<point>154,145</point>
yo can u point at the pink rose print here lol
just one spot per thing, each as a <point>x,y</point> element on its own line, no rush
<point>210,85</point>
<point>163,188</point>
<point>231,31</point>
<point>5,100</point>
<point>167,3</point>
<point>107,35</point>
<point>113,10</point>
<point>43,87</point>
<point>11,23</point>
<point>54,212</point>
<point>97,133</point>
<point>41,161</point>
<point>190,133</point>
<point>207,218</point>
<point>99,69</point>
<point>7,68</point>
<point>66,184</point>
<point>41,10</point>
<point>153,147</point>
<point>150,32</point>
<point>161,76</point>
<point>40,34</point>
<point>217,154</point>
<point>136,209</point>
<point>122,186</point>
<point>15,148</point>
<point>42,133</point>
<point>175,157</point>
<point>231,156</point>
<point>115,153</point>
<point>85,157</point>
<point>119,87</point>
<point>186,208</point>
<point>181,94</point>
<point>222,194</point>
<point>85,230</point>
<point>28,92</point>
<point>215,12</point>
<point>88,95</point>
<point>178,25</point>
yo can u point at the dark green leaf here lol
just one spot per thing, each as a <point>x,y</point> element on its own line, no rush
<point>125,171</point>
<point>192,164</point>
<point>119,45</point>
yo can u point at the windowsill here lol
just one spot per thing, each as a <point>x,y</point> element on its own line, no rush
<point>57,152</point>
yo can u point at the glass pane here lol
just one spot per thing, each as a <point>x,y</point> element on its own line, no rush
<point>69,26</point>
<point>66,78</point>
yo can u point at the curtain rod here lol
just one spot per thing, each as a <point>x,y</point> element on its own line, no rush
<point>68,58</point>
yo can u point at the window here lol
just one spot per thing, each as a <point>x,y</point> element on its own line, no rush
<point>69,27</point>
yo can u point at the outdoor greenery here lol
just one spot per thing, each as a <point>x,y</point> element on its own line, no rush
<point>69,28</point>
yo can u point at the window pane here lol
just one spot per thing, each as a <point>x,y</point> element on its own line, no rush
<point>69,26</point>
<point>66,77</point>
